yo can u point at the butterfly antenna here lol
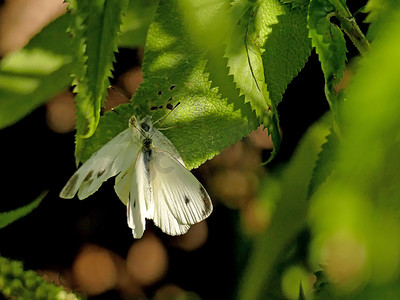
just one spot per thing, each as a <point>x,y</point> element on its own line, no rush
<point>119,92</point>
<point>164,117</point>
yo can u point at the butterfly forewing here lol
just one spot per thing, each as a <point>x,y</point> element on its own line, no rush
<point>160,141</point>
<point>111,159</point>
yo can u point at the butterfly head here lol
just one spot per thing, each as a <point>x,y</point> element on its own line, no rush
<point>143,125</point>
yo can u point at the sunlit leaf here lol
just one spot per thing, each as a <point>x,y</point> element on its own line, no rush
<point>95,26</point>
<point>174,71</point>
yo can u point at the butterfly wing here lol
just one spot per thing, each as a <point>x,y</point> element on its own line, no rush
<point>140,200</point>
<point>115,156</point>
<point>179,198</point>
<point>160,141</point>
<point>123,182</point>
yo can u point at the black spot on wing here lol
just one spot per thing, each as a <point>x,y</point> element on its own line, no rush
<point>88,176</point>
<point>169,106</point>
<point>206,200</point>
<point>172,87</point>
<point>100,173</point>
<point>186,199</point>
<point>129,200</point>
<point>69,187</point>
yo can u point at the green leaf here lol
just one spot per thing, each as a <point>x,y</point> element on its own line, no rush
<point>289,216</point>
<point>325,163</point>
<point>30,76</point>
<point>287,49</point>
<point>330,46</point>
<point>201,19</point>
<point>95,26</point>
<point>244,52</point>
<point>249,51</point>
<point>296,3</point>
<point>285,53</point>
<point>135,23</point>
<point>174,71</point>
<point>112,123</point>
<point>7,218</point>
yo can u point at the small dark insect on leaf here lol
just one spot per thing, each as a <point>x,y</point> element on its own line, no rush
<point>172,87</point>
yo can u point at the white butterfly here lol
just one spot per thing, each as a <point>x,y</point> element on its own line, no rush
<point>152,180</point>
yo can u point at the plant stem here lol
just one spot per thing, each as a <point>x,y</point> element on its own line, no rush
<point>350,27</point>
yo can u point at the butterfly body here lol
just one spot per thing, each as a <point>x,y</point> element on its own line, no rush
<point>152,180</point>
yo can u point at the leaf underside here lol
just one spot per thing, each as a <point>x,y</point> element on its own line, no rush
<point>330,45</point>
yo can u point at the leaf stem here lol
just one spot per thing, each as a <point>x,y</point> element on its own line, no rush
<point>350,27</point>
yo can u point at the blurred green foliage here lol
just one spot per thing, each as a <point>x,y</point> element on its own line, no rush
<point>30,76</point>
<point>17,283</point>
<point>353,215</point>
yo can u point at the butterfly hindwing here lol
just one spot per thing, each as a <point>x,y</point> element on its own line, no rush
<point>178,195</point>
<point>140,203</point>
<point>123,184</point>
